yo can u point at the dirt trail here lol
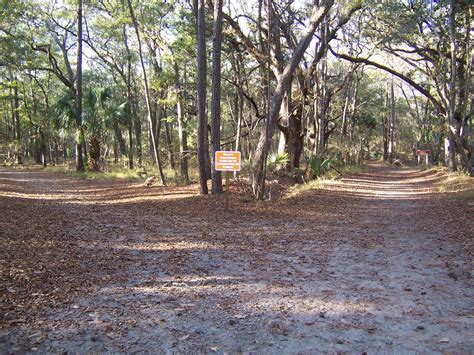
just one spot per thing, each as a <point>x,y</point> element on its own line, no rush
<point>375,262</point>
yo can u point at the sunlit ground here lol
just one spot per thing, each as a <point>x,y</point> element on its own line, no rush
<point>362,263</point>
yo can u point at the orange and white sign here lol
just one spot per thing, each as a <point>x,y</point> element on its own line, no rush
<point>227,160</point>
<point>423,152</point>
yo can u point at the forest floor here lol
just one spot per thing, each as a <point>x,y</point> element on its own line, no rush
<point>378,262</point>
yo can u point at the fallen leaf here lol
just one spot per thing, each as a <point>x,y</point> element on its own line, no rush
<point>240,316</point>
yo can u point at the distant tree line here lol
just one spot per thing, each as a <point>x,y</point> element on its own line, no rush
<point>166,84</point>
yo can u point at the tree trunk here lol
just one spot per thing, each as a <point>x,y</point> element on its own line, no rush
<point>385,125</point>
<point>16,121</point>
<point>44,148</point>
<point>323,103</point>
<point>451,153</point>
<point>294,138</point>
<point>147,93</point>
<point>216,95</point>
<point>169,146</point>
<point>84,145</point>
<point>347,95</point>
<point>65,150</point>
<point>201,94</point>
<point>80,129</point>
<point>391,142</point>
<point>138,131</point>
<point>160,112</point>
<point>130,143</point>
<point>37,146</point>
<point>154,129</point>
<point>239,105</point>
<point>119,139</point>
<point>56,152</point>
<point>116,151</point>
<point>319,13</point>
<point>182,134</point>
<point>128,84</point>
<point>261,164</point>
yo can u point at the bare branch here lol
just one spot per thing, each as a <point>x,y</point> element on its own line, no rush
<point>401,76</point>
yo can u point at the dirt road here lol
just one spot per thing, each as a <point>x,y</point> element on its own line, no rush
<point>375,262</point>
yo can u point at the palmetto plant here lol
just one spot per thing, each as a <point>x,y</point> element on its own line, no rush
<point>319,166</point>
<point>97,103</point>
<point>99,113</point>
<point>64,111</point>
<point>277,161</point>
<point>94,154</point>
<point>116,114</point>
<point>98,108</point>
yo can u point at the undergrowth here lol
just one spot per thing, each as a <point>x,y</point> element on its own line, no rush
<point>111,172</point>
<point>326,179</point>
<point>460,184</point>
<point>117,171</point>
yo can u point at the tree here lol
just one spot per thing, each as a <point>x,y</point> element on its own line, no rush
<point>111,45</point>
<point>216,94</point>
<point>182,129</point>
<point>147,95</point>
<point>275,69</point>
<point>15,103</point>
<point>451,158</point>
<point>274,106</point>
<point>288,118</point>
<point>80,130</point>
<point>201,94</point>
<point>432,56</point>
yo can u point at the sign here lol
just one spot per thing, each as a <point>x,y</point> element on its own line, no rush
<point>423,152</point>
<point>227,160</point>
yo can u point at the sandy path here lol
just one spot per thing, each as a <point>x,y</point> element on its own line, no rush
<point>375,262</point>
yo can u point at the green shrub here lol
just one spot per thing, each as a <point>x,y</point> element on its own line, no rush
<point>320,166</point>
<point>277,161</point>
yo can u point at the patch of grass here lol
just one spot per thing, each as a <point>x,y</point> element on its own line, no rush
<point>315,184</point>
<point>432,168</point>
<point>120,173</point>
<point>345,170</point>
<point>111,172</point>
<point>326,179</point>
<point>303,188</point>
<point>356,169</point>
<point>459,183</point>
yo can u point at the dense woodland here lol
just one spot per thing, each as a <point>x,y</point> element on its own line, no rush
<point>159,86</point>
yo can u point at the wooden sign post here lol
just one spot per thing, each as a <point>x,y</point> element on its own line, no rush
<point>227,161</point>
<point>226,190</point>
<point>425,153</point>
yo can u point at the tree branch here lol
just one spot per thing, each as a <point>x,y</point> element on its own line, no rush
<point>54,64</point>
<point>439,107</point>
<point>251,48</point>
<point>249,98</point>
